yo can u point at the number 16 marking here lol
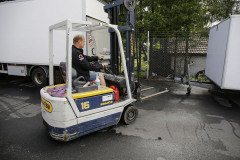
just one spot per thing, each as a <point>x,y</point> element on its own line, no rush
<point>85,105</point>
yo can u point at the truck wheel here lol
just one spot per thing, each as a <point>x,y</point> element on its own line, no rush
<point>130,114</point>
<point>39,77</point>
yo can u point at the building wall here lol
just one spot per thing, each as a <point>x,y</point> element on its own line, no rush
<point>197,63</point>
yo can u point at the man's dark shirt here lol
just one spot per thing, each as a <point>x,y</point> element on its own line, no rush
<point>81,63</point>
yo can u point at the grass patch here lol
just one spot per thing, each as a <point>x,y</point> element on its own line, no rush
<point>200,78</point>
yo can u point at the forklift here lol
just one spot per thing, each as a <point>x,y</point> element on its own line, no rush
<point>71,110</point>
<point>75,109</point>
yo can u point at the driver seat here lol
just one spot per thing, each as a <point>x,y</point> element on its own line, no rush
<point>76,81</point>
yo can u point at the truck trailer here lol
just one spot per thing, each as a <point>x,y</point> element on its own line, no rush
<point>222,65</point>
<point>24,41</point>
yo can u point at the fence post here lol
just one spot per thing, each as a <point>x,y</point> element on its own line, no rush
<point>148,56</point>
<point>186,56</point>
<point>175,56</point>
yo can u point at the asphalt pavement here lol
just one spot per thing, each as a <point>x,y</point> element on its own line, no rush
<point>169,126</point>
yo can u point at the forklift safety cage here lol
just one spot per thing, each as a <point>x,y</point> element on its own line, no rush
<point>82,26</point>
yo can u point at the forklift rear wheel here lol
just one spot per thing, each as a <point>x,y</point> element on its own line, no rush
<point>130,114</point>
<point>39,77</point>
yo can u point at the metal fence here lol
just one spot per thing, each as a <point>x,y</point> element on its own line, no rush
<point>170,56</point>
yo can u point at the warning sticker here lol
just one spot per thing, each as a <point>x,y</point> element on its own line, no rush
<point>107,98</point>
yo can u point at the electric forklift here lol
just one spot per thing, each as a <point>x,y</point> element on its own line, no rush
<point>71,110</point>
<point>74,109</point>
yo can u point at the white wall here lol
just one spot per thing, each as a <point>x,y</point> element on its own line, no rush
<point>95,9</point>
<point>197,63</point>
<point>217,51</point>
<point>223,55</point>
<point>231,73</point>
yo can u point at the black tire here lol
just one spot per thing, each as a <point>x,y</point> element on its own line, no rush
<point>130,114</point>
<point>39,77</point>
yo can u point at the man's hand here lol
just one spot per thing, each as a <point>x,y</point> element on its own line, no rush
<point>100,57</point>
<point>104,64</point>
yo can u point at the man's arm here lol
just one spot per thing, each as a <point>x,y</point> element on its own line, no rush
<point>95,66</point>
<point>83,63</point>
<point>94,58</point>
<point>91,58</point>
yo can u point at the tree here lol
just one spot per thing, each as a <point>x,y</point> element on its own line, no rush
<point>174,17</point>
<point>182,15</point>
<point>171,15</point>
<point>218,10</point>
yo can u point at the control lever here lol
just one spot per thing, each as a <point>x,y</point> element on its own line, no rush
<point>106,68</point>
<point>77,81</point>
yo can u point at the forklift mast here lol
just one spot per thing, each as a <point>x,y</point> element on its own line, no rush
<point>114,9</point>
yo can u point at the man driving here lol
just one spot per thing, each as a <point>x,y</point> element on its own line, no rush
<point>82,64</point>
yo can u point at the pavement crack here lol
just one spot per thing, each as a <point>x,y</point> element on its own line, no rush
<point>196,129</point>
<point>203,127</point>
<point>169,130</point>
<point>10,109</point>
<point>234,130</point>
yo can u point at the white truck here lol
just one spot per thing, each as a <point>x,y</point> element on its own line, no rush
<point>24,34</point>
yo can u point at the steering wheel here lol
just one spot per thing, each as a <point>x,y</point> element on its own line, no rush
<point>100,60</point>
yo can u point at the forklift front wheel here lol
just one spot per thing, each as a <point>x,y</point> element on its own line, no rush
<point>130,114</point>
